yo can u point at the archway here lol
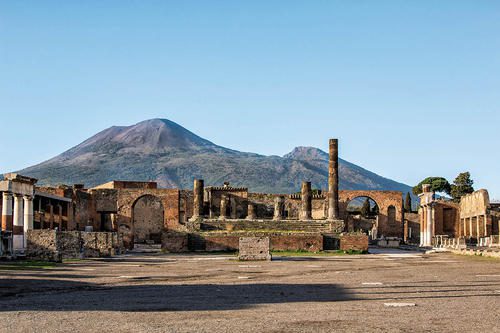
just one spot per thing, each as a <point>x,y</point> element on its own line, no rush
<point>362,214</point>
<point>148,219</point>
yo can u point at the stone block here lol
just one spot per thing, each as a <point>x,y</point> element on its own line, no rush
<point>254,248</point>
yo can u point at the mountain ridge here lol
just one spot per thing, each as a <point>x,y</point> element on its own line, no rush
<point>162,150</point>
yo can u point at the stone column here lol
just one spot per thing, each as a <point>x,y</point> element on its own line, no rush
<point>306,209</point>
<point>278,208</point>
<point>18,228</point>
<point>198,190</point>
<point>233,208</point>
<point>51,215</point>
<point>28,215</point>
<point>333,181</point>
<point>470,227</point>
<point>486,226</point>
<point>223,208</point>
<point>430,226</point>
<point>251,212</point>
<point>422,225</point>
<point>7,211</point>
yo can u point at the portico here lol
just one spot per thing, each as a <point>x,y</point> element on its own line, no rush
<point>17,207</point>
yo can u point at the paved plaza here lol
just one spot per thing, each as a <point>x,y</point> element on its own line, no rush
<point>388,291</point>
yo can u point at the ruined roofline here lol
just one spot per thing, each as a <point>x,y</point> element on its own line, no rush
<point>228,189</point>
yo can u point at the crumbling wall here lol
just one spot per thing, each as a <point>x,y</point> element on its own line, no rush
<point>52,245</point>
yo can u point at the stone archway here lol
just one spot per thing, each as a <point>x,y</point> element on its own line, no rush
<point>148,219</point>
<point>390,203</point>
<point>362,215</point>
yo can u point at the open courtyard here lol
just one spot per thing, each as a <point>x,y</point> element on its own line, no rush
<point>386,291</point>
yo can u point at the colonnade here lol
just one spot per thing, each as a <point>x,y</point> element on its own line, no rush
<point>474,226</point>
<point>17,216</point>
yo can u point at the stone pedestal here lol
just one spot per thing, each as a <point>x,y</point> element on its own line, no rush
<point>254,248</point>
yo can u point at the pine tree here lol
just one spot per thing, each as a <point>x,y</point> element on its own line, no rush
<point>461,186</point>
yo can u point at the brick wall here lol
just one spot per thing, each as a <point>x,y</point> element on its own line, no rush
<point>355,242</point>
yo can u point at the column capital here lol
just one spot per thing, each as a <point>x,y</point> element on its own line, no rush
<point>7,194</point>
<point>28,197</point>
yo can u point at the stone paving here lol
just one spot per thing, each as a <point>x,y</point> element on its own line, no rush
<point>389,291</point>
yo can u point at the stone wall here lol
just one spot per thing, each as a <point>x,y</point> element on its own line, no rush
<point>354,242</point>
<point>52,245</point>
<point>177,242</point>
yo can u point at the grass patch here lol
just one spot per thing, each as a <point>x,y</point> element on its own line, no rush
<point>26,265</point>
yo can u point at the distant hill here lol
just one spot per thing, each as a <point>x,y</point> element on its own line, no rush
<point>164,151</point>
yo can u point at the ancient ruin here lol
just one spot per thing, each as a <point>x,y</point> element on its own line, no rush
<point>213,218</point>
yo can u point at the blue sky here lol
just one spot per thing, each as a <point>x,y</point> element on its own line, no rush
<point>412,88</point>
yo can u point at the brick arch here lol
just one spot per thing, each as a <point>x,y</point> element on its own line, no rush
<point>148,214</point>
<point>384,200</point>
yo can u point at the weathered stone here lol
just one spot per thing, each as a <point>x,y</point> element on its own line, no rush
<point>254,248</point>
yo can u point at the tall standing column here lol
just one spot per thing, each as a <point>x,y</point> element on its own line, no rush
<point>18,228</point>
<point>306,211</point>
<point>7,211</point>
<point>28,216</point>
<point>333,180</point>
<point>198,190</point>
<point>278,208</point>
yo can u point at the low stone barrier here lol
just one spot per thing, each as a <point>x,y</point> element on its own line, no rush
<point>52,245</point>
<point>254,248</point>
<point>354,242</point>
<point>213,242</point>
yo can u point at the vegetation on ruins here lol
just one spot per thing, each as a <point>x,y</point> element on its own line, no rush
<point>461,186</point>
<point>408,208</point>
<point>438,184</point>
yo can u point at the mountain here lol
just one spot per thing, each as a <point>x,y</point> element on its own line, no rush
<point>164,151</point>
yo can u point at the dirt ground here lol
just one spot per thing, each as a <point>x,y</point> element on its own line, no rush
<point>214,293</point>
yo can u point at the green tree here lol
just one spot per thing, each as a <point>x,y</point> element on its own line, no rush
<point>365,209</point>
<point>461,186</point>
<point>408,203</point>
<point>438,184</point>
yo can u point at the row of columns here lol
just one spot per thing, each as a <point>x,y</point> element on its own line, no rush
<point>427,225</point>
<point>475,226</point>
<point>279,202</point>
<point>18,220</point>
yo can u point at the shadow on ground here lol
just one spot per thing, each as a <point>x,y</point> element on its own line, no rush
<point>61,295</point>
